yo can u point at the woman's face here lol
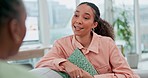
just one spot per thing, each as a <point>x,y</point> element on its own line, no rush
<point>83,20</point>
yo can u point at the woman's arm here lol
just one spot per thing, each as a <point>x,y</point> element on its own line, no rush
<point>53,58</point>
<point>120,67</point>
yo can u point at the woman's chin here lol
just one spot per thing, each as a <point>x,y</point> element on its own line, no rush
<point>77,34</point>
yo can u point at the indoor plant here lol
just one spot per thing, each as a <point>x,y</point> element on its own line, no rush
<point>124,32</point>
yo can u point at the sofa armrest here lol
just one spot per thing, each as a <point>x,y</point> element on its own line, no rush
<point>45,73</point>
<point>141,73</point>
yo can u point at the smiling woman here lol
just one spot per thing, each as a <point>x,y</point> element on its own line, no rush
<point>94,38</point>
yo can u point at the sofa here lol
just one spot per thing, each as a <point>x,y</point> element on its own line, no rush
<point>141,73</point>
<point>46,73</point>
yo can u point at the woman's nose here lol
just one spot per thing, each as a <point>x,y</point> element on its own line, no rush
<point>79,20</point>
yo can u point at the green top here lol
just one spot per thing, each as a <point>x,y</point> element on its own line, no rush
<point>14,71</point>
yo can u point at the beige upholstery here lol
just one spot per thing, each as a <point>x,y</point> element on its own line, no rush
<point>48,73</point>
<point>141,73</point>
<point>45,73</point>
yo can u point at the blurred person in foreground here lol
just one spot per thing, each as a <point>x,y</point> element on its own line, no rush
<point>12,32</point>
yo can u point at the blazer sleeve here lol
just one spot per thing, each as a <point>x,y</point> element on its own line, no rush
<point>120,67</point>
<point>53,58</point>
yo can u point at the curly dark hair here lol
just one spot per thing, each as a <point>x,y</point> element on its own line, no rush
<point>103,28</point>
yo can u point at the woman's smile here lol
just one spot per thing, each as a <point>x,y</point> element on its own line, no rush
<point>78,28</point>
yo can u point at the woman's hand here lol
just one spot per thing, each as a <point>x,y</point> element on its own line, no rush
<point>72,70</point>
<point>86,74</point>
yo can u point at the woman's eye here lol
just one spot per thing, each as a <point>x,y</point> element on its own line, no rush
<point>86,18</point>
<point>76,15</point>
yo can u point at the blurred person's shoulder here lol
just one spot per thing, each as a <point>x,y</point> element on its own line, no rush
<point>14,71</point>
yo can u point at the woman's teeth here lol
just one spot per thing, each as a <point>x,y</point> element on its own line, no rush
<point>77,28</point>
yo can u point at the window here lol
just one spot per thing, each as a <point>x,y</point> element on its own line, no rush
<point>60,13</point>
<point>127,6</point>
<point>32,27</point>
<point>143,8</point>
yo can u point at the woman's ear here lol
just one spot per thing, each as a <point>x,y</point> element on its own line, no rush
<point>14,30</point>
<point>95,25</point>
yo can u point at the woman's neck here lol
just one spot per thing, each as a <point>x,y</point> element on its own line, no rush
<point>84,40</point>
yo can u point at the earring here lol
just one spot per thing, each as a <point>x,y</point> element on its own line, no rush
<point>93,29</point>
